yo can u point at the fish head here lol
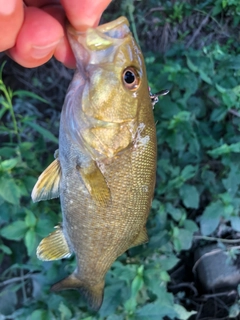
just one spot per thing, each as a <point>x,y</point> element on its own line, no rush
<point>102,105</point>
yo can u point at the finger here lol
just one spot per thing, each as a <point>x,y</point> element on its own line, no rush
<point>63,51</point>
<point>38,38</point>
<point>11,19</point>
<point>64,54</point>
<point>84,13</point>
<point>40,3</point>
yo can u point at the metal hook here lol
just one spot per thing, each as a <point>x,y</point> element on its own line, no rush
<point>154,96</point>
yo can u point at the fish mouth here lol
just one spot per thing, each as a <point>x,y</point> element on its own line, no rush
<point>116,24</point>
<point>103,36</point>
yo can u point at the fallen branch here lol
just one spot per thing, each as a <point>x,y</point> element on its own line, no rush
<point>234,112</point>
<point>16,279</point>
<point>196,33</point>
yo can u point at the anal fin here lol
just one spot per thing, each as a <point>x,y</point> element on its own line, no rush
<point>95,183</point>
<point>54,246</point>
<point>92,293</point>
<point>47,186</point>
<point>141,238</point>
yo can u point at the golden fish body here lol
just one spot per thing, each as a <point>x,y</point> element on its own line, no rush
<point>104,171</point>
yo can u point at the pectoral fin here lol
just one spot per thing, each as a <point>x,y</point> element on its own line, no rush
<point>95,183</point>
<point>53,247</point>
<point>141,238</point>
<point>47,186</point>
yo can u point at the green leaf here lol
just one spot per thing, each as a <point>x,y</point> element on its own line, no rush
<point>211,218</point>
<point>136,285</point>
<point>190,225</point>
<point>155,285</point>
<point>112,298</point>
<point>5,208</point>
<point>192,66</point>
<point>7,165</point>
<point>44,132</point>
<point>196,106</point>
<point>225,149</point>
<point>7,152</point>
<point>188,172</point>
<point>235,223</point>
<point>205,77</point>
<point>1,70</point>
<point>123,273</point>
<point>8,301</point>
<point>236,90</point>
<point>182,116</point>
<point>155,310</point>
<point>66,313</point>
<point>168,262</point>
<point>219,114</point>
<point>177,244</point>
<point>234,311</point>
<point>14,231</point>
<point>5,249</point>
<point>190,196</point>
<point>235,147</point>
<point>229,99</point>
<point>9,190</point>
<point>44,227</point>
<point>30,241</point>
<point>130,305</point>
<point>229,210</point>
<point>168,109</point>
<point>185,238</point>
<point>26,146</point>
<point>114,317</point>
<point>30,219</point>
<point>176,213</point>
<point>182,313</point>
<point>164,276</point>
<point>220,88</point>
<point>38,314</point>
<point>28,94</point>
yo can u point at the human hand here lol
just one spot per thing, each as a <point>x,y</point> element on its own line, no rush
<point>32,31</point>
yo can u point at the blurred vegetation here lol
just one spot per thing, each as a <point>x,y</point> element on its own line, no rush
<point>191,48</point>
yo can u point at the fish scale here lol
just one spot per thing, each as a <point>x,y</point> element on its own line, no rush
<point>104,171</point>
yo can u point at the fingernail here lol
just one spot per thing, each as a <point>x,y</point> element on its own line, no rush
<point>7,7</point>
<point>38,52</point>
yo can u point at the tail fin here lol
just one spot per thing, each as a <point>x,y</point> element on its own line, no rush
<point>92,293</point>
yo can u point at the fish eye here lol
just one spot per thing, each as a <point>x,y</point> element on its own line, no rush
<point>131,78</point>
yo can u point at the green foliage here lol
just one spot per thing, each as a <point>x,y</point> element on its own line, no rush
<point>231,7</point>
<point>197,188</point>
<point>22,223</point>
<point>198,134</point>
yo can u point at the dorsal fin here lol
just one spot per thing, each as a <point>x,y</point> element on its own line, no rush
<point>47,186</point>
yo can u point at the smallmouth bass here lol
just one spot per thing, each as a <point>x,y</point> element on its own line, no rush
<point>104,170</point>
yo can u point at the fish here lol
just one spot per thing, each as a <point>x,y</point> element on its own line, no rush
<point>105,167</point>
